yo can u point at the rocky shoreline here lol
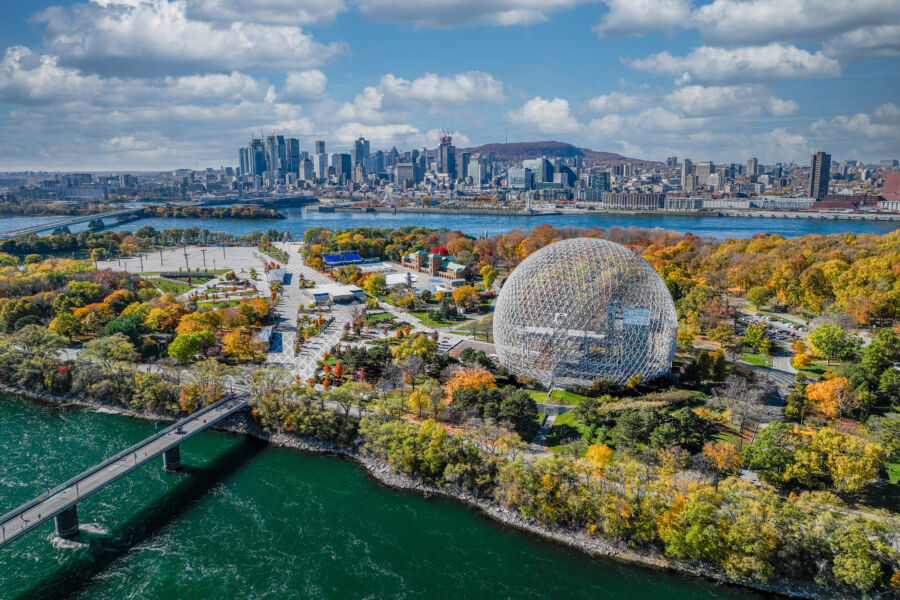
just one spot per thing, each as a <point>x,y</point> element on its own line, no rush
<point>241,424</point>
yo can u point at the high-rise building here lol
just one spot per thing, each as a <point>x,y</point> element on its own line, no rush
<point>447,157</point>
<point>600,181</point>
<point>276,153</point>
<point>703,170</point>
<point>464,158</point>
<point>257,157</point>
<point>752,167</point>
<point>360,151</point>
<point>320,147</point>
<point>405,174</point>
<point>340,163</point>
<point>672,161</point>
<point>686,172</point>
<point>292,155</point>
<point>819,173</point>
<point>320,166</point>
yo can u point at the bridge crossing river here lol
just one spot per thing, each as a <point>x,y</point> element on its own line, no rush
<point>61,502</point>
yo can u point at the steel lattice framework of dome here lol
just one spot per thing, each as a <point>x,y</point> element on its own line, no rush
<point>584,309</point>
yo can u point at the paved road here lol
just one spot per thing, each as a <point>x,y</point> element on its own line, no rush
<point>43,508</point>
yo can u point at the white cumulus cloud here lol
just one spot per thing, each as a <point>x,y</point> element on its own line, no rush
<point>546,116</point>
<point>157,37</point>
<point>708,64</point>
<point>452,13</point>
<point>637,17</point>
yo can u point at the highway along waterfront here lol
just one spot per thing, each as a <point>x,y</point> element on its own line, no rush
<point>247,520</point>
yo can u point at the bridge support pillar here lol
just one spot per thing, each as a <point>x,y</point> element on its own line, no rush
<point>172,459</point>
<point>67,523</point>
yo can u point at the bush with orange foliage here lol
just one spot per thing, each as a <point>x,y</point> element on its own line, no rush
<point>832,397</point>
<point>474,378</point>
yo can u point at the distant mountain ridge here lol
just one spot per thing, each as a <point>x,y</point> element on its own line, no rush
<point>517,151</point>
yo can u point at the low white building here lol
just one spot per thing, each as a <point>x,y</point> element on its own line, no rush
<point>333,292</point>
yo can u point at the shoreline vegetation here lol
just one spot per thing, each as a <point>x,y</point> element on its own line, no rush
<point>382,472</point>
<point>247,212</point>
<point>569,210</point>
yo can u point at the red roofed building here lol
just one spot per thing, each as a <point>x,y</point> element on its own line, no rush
<point>890,194</point>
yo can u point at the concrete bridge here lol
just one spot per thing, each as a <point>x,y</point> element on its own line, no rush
<point>72,221</point>
<point>60,503</point>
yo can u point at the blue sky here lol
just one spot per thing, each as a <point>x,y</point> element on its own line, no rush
<point>156,84</point>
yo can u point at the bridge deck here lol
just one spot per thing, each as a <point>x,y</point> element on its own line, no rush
<point>33,514</point>
<point>68,221</point>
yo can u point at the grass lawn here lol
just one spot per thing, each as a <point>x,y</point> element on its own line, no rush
<point>565,428</point>
<point>754,358</point>
<point>170,287</point>
<point>378,317</point>
<point>893,471</point>
<point>557,397</point>
<point>432,321</point>
<point>817,368</point>
<point>219,304</point>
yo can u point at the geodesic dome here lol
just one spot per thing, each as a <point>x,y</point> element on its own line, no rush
<point>585,309</point>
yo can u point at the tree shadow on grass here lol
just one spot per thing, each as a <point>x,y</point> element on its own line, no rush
<point>102,551</point>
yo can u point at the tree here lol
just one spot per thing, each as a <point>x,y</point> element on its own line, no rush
<point>599,455</point>
<point>832,398</point>
<point>112,349</point>
<point>724,459</point>
<point>796,403</point>
<point>240,344</point>
<point>184,347</point>
<point>889,385</point>
<point>831,341</point>
<point>801,360</point>
<point>374,285</point>
<point>467,297</point>
<point>131,326</point>
<point>590,410</point>
<point>883,352</point>
<point>520,412</point>
<point>422,346</point>
<point>755,337</point>
<point>37,340</point>
<point>67,325</point>
<point>759,295</point>
<point>474,378</point>
<point>488,277</point>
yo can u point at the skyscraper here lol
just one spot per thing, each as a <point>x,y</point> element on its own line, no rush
<point>752,167</point>
<point>447,157</point>
<point>819,173</point>
<point>275,156</point>
<point>360,151</point>
<point>703,170</point>
<point>292,155</point>
<point>341,165</point>
<point>686,172</point>
<point>320,147</point>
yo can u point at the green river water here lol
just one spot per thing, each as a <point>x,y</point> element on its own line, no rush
<point>248,520</point>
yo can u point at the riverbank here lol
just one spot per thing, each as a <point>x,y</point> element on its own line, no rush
<point>242,424</point>
<point>538,212</point>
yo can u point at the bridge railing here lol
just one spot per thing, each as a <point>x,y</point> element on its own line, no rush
<point>117,457</point>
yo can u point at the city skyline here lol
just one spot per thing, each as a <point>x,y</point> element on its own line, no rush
<point>154,84</point>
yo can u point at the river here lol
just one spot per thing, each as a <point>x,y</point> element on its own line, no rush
<point>300,219</point>
<point>248,520</point>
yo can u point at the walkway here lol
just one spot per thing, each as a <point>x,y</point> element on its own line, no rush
<point>63,498</point>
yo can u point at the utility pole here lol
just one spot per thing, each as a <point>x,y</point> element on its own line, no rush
<point>203,251</point>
